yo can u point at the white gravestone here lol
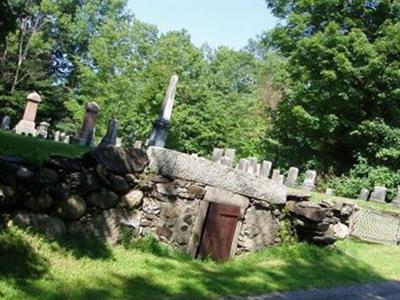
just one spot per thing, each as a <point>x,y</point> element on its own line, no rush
<point>364,194</point>
<point>396,201</point>
<point>217,154</point>
<point>309,180</point>
<point>265,168</point>
<point>379,194</point>
<point>291,180</point>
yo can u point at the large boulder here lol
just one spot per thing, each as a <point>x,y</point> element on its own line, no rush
<point>308,210</point>
<point>104,199</point>
<point>132,200</point>
<point>71,209</point>
<point>51,226</point>
<point>121,161</point>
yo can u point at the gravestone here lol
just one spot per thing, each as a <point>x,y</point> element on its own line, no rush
<point>364,194</point>
<point>265,168</point>
<point>159,134</point>
<point>217,154</point>
<point>281,179</point>
<point>62,137</point>
<point>243,165</point>
<point>379,194</point>
<point>275,175</point>
<point>110,138</point>
<point>67,139</point>
<point>42,130</point>
<point>226,161</point>
<point>291,180</point>
<point>27,124</point>
<point>230,153</point>
<point>138,144</point>
<point>309,180</point>
<point>118,142</point>
<point>252,169</point>
<point>396,201</point>
<point>88,125</point>
<point>5,123</point>
<point>57,136</point>
<point>329,192</point>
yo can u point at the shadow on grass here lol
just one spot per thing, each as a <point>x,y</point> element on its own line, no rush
<point>176,276</point>
<point>81,247</point>
<point>18,259</point>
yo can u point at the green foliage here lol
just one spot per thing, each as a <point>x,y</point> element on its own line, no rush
<point>363,175</point>
<point>342,100</point>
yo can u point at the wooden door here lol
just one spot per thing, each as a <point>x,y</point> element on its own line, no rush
<point>218,231</point>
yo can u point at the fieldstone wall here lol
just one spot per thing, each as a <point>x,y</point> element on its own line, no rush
<point>163,193</point>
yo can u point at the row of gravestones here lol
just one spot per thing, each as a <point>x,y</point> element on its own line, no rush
<point>379,195</point>
<point>158,137</point>
<point>251,165</point>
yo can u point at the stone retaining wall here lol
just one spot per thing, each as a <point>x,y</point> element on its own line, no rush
<point>163,193</point>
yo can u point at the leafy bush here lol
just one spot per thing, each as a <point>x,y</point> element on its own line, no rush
<point>363,175</point>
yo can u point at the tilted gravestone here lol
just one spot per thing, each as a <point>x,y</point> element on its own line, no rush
<point>364,194</point>
<point>27,124</point>
<point>379,194</point>
<point>217,154</point>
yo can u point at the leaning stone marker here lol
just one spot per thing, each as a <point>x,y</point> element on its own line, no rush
<point>243,165</point>
<point>110,139</point>
<point>291,180</point>
<point>42,130</point>
<point>88,124</point>
<point>27,124</point>
<point>309,180</point>
<point>364,194</point>
<point>275,175</point>
<point>379,194</point>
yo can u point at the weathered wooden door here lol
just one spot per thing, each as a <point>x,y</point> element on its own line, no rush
<point>219,231</point>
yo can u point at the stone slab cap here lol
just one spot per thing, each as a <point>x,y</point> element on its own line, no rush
<point>175,164</point>
<point>35,97</point>
<point>225,197</point>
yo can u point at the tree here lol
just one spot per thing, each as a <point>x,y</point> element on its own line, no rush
<point>344,67</point>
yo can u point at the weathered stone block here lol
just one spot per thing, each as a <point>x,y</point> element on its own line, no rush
<point>175,164</point>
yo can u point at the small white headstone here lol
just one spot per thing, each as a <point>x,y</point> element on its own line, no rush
<point>275,175</point>
<point>243,165</point>
<point>291,180</point>
<point>252,165</point>
<point>329,192</point>
<point>265,168</point>
<point>379,194</point>
<point>309,180</point>
<point>364,194</point>
<point>217,154</point>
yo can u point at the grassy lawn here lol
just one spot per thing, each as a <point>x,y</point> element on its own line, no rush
<point>384,207</point>
<point>33,268</point>
<point>35,150</point>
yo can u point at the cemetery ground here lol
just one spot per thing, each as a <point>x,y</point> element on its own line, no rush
<point>35,150</point>
<point>35,268</point>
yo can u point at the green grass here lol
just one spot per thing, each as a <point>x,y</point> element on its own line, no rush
<point>383,207</point>
<point>33,268</point>
<point>35,150</point>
